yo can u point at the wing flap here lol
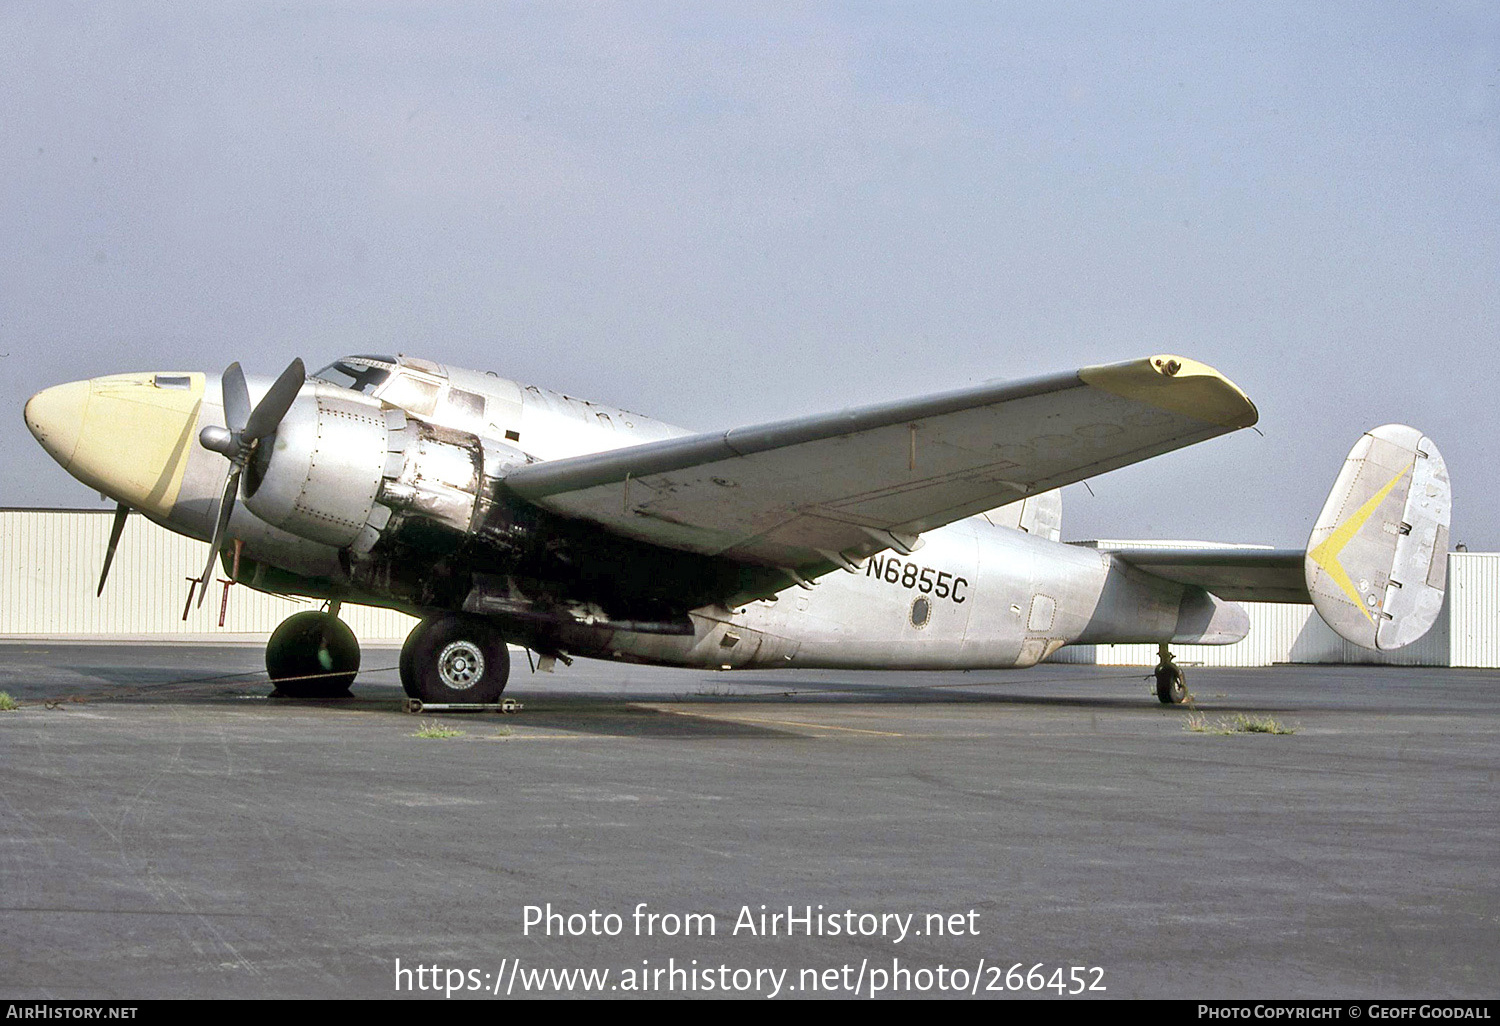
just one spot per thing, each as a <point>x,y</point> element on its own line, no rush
<point>790,493</point>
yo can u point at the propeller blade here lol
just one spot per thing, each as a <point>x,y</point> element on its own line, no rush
<point>236,398</point>
<point>278,399</point>
<point>244,427</point>
<point>226,507</point>
<point>116,529</point>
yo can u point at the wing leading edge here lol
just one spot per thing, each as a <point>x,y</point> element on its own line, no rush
<point>840,486</point>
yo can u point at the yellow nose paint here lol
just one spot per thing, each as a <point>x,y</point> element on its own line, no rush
<point>135,438</point>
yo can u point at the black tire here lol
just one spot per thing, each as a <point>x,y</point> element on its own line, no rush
<point>1171,688</point>
<point>312,655</point>
<point>455,658</point>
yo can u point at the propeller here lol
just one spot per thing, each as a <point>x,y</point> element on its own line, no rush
<point>116,529</point>
<point>246,428</point>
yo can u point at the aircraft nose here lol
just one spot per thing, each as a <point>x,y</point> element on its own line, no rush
<point>55,417</point>
<point>128,436</point>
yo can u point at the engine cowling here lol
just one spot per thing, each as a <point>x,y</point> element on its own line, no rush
<point>419,515</point>
<point>348,471</point>
<point>322,470</point>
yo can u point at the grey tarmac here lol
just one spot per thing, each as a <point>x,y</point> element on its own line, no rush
<point>166,830</point>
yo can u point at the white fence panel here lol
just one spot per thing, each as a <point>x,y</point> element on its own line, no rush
<point>50,562</point>
<point>49,569</point>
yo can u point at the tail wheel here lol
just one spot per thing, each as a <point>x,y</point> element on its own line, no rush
<point>1171,687</point>
<point>312,655</point>
<point>455,658</point>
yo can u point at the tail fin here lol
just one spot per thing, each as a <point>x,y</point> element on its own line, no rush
<point>1377,561</point>
<point>1039,514</point>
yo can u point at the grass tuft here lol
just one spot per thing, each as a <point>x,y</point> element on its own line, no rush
<point>433,728</point>
<point>7,703</point>
<point>1260,725</point>
<point>1241,724</point>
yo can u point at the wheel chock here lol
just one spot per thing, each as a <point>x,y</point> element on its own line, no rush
<point>505,705</point>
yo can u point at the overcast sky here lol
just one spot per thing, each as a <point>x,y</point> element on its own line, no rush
<point>720,214</point>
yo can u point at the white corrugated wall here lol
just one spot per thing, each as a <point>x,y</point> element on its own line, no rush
<point>1474,594</point>
<point>50,560</point>
<point>49,569</point>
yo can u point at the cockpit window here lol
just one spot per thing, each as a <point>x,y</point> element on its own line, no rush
<point>417,395</point>
<point>359,376</point>
<point>468,405</point>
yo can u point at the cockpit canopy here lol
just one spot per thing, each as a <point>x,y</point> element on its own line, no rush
<point>361,373</point>
<point>416,386</point>
<point>485,404</point>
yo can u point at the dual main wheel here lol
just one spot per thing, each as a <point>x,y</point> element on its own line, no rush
<point>450,657</point>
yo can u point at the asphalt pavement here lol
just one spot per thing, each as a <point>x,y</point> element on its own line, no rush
<point>168,830</point>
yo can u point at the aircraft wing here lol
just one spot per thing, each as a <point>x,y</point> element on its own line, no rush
<point>1237,573</point>
<point>826,489</point>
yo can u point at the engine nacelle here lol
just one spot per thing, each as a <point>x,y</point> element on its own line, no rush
<point>349,471</point>
<point>419,516</point>
<point>324,467</point>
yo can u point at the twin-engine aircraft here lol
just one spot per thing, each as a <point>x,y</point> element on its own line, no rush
<point>922,534</point>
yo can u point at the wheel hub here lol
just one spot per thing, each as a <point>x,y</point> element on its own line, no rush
<point>461,665</point>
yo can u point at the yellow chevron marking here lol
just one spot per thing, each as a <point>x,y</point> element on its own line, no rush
<point>1326,555</point>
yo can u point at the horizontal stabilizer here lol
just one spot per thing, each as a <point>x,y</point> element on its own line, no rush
<point>1377,560</point>
<point>1239,573</point>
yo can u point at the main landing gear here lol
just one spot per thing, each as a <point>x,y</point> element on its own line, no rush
<point>450,657</point>
<point>453,657</point>
<point>313,655</point>
<point>1171,686</point>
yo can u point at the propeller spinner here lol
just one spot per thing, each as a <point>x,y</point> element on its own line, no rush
<point>246,428</point>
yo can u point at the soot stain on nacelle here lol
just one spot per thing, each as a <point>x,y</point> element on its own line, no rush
<point>453,521</point>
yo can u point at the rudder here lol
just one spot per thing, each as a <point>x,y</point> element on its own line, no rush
<point>1377,561</point>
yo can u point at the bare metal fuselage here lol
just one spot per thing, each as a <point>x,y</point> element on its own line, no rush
<point>974,596</point>
<point>968,595</point>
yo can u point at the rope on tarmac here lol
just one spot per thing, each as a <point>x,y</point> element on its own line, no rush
<point>165,687</point>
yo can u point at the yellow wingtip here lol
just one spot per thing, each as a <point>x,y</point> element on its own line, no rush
<point>1178,385</point>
